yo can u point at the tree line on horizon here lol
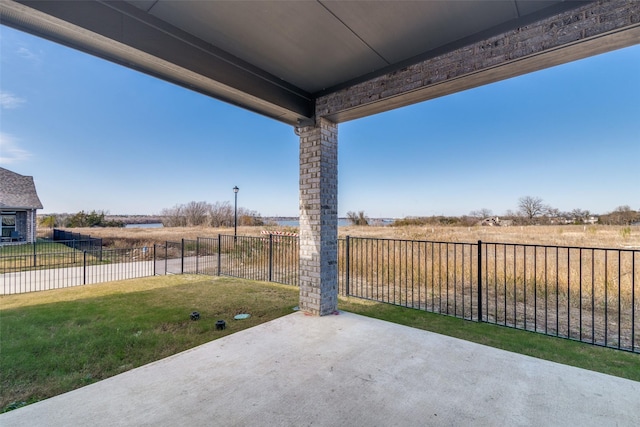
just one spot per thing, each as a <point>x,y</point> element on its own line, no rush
<point>79,220</point>
<point>203,214</point>
<point>531,211</point>
<point>192,214</point>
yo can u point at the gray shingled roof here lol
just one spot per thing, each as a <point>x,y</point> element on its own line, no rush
<point>17,191</point>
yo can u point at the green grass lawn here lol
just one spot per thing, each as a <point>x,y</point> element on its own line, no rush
<point>55,341</point>
<point>47,254</point>
<point>599,359</point>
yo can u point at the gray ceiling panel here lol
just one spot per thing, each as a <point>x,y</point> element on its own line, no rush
<point>410,29</point>
<point>526,7</point>
<point>144,4</point>
<point>282,38</point>
<point>315,45</point>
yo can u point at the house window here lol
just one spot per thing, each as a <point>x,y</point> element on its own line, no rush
<point>8,223</point>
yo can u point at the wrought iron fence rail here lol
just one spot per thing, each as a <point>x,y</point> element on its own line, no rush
<point>584,294</point>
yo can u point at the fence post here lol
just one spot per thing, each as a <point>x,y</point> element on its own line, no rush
<point>154,259</point>
<point>197,254</point>
<point>219,250</point>
<point>35,261</point>
<point>270,257</point>
<point>182,257</point>
<point>166,256</point>
<point>84,267</point>
<point>479,280</point>
<point>346,285</point>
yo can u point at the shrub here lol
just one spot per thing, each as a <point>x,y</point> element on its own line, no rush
<point>358,218</point>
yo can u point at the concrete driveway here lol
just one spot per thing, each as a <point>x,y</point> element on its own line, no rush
<point>343,370</point>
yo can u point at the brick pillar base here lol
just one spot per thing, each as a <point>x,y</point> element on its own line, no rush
<point>319,218</point>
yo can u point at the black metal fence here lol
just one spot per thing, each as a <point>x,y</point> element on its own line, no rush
<point>55,264</point>
<point>585,294</point>
<point>49,265</point>
<point>76,241</point>
<point>272,258</point>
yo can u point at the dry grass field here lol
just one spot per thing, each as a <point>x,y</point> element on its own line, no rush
<point>535,277</point>
<point>599,236</point>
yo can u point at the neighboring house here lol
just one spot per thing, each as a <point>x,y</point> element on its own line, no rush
<point>590,220</point>
<point>18,204</point>
<point>496,222</point>
<point>491,222</point>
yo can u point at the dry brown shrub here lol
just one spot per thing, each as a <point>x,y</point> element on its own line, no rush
<point>600,236</point>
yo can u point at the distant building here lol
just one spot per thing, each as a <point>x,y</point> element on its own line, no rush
<point>491,222</point>
<point>496,222</point>
<point>18,204</point>
<point>590,220</point>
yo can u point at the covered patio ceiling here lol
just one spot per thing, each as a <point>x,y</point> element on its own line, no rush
<point>277,57</point>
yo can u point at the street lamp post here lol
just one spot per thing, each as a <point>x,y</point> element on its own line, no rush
<point>235,216</point>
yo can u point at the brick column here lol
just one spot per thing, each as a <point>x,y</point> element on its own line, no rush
<point>319,218</point>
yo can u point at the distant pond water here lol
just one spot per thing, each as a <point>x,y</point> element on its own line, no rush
<point>296,223</point>
<point>342,222</point>
<point>152,225</point>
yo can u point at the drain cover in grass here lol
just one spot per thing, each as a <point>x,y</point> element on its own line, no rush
<point>242,316</point>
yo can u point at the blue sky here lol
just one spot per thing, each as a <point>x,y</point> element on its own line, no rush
<point>98,136</point>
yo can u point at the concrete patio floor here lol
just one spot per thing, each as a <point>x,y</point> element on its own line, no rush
<point>343,369</point>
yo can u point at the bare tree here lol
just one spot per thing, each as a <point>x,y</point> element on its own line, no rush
<point>249,217</point>
<point>221,214</point>
<point>482,213</point>
<point>196,213</point>
<point>622,215</point>
<point>531,207</point>
<point>174,217</point>
<point>358,218</point>
<point>579,215</point>
<point>552,212</point>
